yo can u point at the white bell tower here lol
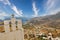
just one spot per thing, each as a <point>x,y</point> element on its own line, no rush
<point>17,32</point>
<point>13,21</point>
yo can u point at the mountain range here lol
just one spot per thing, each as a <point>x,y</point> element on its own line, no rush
<point>48,21</point>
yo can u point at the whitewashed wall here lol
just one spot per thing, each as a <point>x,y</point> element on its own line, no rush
<point>16,35</point>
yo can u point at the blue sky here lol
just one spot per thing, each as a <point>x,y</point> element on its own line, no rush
<point>28,8</point>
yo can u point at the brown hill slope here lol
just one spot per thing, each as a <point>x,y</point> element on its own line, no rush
<point>49,21</point>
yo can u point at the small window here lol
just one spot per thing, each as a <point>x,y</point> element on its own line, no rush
<point>16,22</point>
<point>10,26</point>
<point>10,29</point>
<point>16,28</point>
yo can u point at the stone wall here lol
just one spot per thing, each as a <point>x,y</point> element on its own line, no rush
<point>15,35</point>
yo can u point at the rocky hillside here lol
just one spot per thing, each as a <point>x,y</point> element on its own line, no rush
<point>48,21</point>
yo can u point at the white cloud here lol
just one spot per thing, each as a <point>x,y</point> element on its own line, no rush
<point>50,4</point>
<point>55,11</point>
<point>13,7</point>
<point>3,14</point>
<point>35,9</point>
<point>19,12</point>
<point>6,2</point>
<point>50,7</point>
<point>52,12</point>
